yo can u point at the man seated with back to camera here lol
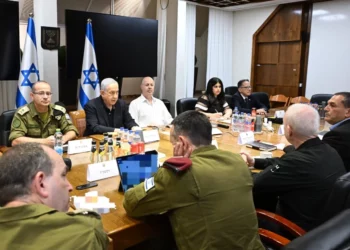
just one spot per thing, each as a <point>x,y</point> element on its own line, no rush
<point>107,113</point>
<point>244,101</point>
<point>148,110</point>
<point>300,180</point>
<point>34,199</point>
<point>38,120</point>
<point>209,201</point>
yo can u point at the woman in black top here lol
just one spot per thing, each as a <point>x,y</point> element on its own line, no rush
<point>213,103</point>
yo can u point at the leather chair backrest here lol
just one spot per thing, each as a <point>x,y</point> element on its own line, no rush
<point>339,199</point>
<point>263,98</point>
<point>167,104</point>
<point>5,126</point>
<point>319,98</point>
<point>79,120</point>
<point>334,234</point>
<point>229,100</point>
<point>231,90</point>
<point>185,104</point>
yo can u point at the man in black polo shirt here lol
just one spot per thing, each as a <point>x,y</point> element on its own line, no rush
<point>301,180</point>
<point>106,113</point>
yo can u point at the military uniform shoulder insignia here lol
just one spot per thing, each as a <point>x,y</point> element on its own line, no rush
<point>84,212</point>
<point>16,123</point>
<point>23,110</point>
<point>60,108</point>
<point>178,164</point>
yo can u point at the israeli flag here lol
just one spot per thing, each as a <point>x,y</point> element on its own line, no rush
<point>90,83</point>
<point>29,73</point>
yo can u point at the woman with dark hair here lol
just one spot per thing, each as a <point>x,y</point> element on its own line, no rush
<point>213,103</point>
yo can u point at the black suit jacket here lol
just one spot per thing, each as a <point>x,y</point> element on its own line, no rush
<point>246,107</point>
<point>97,117</point>
<point>339,138</point>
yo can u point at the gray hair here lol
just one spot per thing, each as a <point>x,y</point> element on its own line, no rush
<point>36,83</point>
<point>18,167</point>
<point>346,101</point>
<point>303,119</point>
<point>106,82</point>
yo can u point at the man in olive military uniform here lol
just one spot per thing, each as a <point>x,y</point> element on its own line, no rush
<point>34,196</point>
<point>208,196</point>
<point>38,120</point>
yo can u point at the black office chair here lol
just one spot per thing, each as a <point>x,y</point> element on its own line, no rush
<point>231,90</point>
<point>229,100</point>
<point>334,234</point>
<point>263,98</point>
<point>319,98</point>
<point>167,104</point>
<point>185,104</point>
<point>5,126</point>
<point>338,201</point>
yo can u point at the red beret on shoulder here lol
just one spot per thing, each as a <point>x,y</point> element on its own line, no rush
<point>178,164</point>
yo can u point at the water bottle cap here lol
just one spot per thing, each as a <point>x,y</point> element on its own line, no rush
<point>58,130</point>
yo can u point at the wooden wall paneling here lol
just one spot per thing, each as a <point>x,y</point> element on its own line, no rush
<point>286,90</point>
<point>266,74</point>
<point>266,88</point>
<point>270,32</point>
<point>255,40</point>
<point>289,25</point>
<point>288,75</point>
<point>290,52</point>
<point>285,26</point>
<point>268,53</point>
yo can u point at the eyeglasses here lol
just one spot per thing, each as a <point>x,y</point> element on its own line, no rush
<point>113,92</point>
<point>41,93</point>
<point>248,87</point>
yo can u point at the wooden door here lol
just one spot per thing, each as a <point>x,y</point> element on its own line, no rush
<point>279,52</point>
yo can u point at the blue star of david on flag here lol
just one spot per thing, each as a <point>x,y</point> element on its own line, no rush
<point>26,74</point>
<point>29,73</point>
<point>92,70</point>
<point>89,81</point>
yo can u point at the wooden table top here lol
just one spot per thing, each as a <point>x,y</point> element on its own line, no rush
<point>126,231</point>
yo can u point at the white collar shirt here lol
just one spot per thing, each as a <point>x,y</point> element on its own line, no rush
<point>149,114</point>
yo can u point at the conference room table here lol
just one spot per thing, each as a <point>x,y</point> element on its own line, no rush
<point>126,231</point>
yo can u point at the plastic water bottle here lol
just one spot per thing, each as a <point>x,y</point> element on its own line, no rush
<point>235,111</point>
<point>235,123</point>
<point>58,142</point>
<point>125,135</point>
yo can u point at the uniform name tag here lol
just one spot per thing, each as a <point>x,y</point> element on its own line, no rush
<point>149,184</point>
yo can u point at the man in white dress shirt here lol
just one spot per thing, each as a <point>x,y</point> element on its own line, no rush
<point>147,110</point>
